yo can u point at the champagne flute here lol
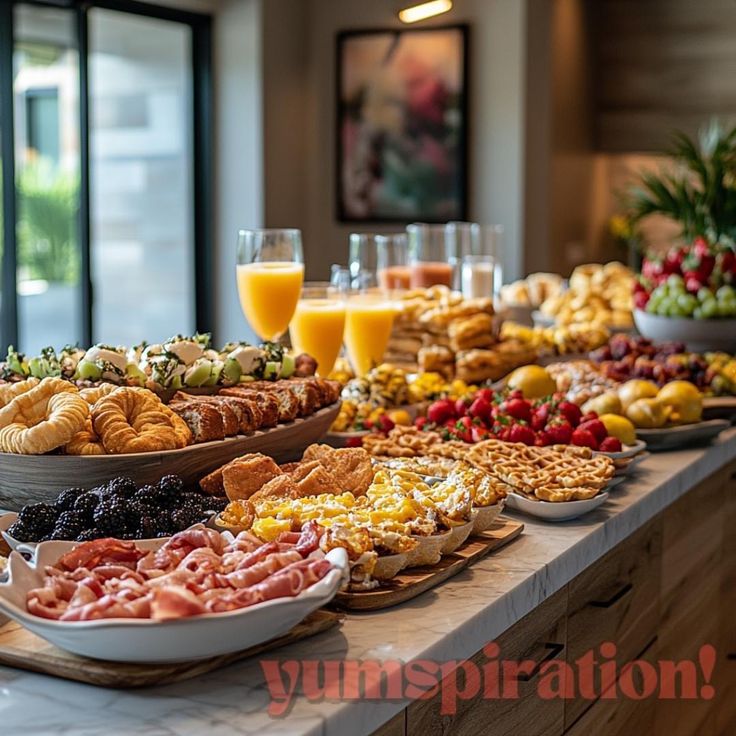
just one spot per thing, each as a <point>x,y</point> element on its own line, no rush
<point>270,272</point>
<point>318,324</point>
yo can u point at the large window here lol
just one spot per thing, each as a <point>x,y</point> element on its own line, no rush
<point>103,125</point>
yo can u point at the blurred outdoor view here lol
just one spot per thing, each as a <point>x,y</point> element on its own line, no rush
<point>141,248</point>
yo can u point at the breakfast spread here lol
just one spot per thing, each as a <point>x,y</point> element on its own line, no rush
<point>532,291</point>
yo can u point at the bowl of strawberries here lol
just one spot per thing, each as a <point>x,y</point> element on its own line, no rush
<point>508,416</point>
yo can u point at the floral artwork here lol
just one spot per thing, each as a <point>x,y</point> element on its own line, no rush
<point>402,125</point>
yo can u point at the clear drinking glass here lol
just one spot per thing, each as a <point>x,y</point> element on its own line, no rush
<point>393,261</point>
<point>363,260</point>
<point>270,273</point>
<point>318,324</point>
<point>369,318</point>
<point>431,255</point>
<point>463,240</point>
<point>477,276</point>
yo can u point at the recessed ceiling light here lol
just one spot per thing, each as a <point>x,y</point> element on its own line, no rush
<point>422,11</point>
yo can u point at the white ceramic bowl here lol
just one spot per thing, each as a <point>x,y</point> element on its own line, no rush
<point>179,640</point>
<point>700,335</point>
<point>484,517</point>
<point>548,511</point>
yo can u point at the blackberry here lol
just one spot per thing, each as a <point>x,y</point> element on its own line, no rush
<point>163,533</point>
<point>87,503</point>
<point>122,486</point>
<point>133,512</point>
<point>216,503</point>
<point>183,518</point>
<point>88,535</point>
<point>163,521</point>
<point>146,528</point>
<point>171,485</point>
<point>20,532</point>
<point>110,516</point>
<point>150,495</point>
<point>66,499</point>
<point>68,525</point>
<point>38,518</point>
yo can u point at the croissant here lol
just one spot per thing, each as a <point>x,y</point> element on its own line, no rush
<point>43,418</point>
<point>85,442</point>
<point>9,391</point>
<point>132,420</point>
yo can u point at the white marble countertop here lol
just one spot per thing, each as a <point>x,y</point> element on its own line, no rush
<point>451,622</point>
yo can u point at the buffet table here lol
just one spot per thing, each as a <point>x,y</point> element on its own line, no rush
<point>525,590</point>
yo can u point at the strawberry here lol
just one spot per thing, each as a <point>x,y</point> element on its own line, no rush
<point>544,438</point>
<point>461,406</point>
<point>522,433</point>
<point>515,394</point>
<point>479,434</point>
<point>505,434</point>
<point>354,442</point>
<point>480,408</point>
<point>588,416</point>
<point>596,428</point>
<point>386,423</point>
<point>559,433</point>
<point>584,438</point>
<point>692,283</point>
<point>652,268</point>
<point>571,412</point>
<point>464,429</point>
<point>539,421</point>
<point>610,444</point>
<point>641,298</point>
<point>701,247</point>
<point>421,422</point>
<point>519,409</point>
<point>484,393</point>
<point>440,411</point>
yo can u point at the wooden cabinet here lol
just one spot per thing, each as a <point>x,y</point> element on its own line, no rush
<point>539,636</point>
<point>615,600</point>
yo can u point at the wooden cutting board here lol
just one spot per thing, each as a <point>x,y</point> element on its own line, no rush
<point>412,581</point>
<point>24,650</point>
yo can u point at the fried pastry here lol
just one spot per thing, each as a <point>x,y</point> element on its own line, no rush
<point>130,420</point>
<point>43,418</point>
<point>204,420</point>
<point>243,477</point>
<point>475,331</point>
<point>85,442</point>
<point>94,393</point>
<point>8,391</point>
<point>314,478</point>
<point>282,486</point>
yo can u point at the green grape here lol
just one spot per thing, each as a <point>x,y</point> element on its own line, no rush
<point>87,370</point>
<point>675,281</point>
<point>198,373</point>
<point>704,294</point>
<point>725,292</point>
<point>698,313</point>
<point>687,303</point>
<point>215,373</point>
<point>709,308</point>
<point>231,370</point>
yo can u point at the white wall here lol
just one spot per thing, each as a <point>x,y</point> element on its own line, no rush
<point>496,125</point>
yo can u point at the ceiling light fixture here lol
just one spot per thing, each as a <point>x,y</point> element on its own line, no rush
<point>422,11</point>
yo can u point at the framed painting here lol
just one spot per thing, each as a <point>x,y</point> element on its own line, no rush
<point>402,125</point>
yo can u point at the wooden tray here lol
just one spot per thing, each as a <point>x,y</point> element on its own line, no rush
<point>24,650</point>
<point>411,582</point>
<point>30,478</point>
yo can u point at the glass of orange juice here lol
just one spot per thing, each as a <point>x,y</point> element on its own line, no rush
<point>318,324</point>
<point>369,317</point>
<point>270,272</point>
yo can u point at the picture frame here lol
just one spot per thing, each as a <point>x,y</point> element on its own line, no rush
<point>401,126</point>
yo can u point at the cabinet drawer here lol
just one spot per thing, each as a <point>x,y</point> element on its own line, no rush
<point>692,549</point>
<point>538,636</point>
<point>616,600</point>
<point>622,716</point>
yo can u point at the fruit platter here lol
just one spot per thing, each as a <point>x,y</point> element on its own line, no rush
<point>689,295</point>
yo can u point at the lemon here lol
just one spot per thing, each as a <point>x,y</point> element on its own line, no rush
<point>400,416</point>
<point>532,380</point>
<point>648,413</point>
<point>607,403</point>
<point>636,389</point>
<point>685,402</point>
<point>620,427</point>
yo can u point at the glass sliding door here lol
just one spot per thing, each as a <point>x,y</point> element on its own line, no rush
<point>142,242</point>
<point>46,116</point>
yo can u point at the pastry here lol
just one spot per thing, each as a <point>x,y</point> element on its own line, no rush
<point>134,420</point>
<point>85,442</point>
<point>205,421</point>
<point>8,391</point>
<point>241,478</point>
<point>267,403</point>
<point>43,418</point>
<point>93,394</point>
<point>437,359</point>
<point>475,331</point>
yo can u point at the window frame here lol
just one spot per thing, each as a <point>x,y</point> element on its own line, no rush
<point>200,25</point>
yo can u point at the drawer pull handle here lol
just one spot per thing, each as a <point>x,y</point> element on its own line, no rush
<point>554,650</point>
<point>615,598</point>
